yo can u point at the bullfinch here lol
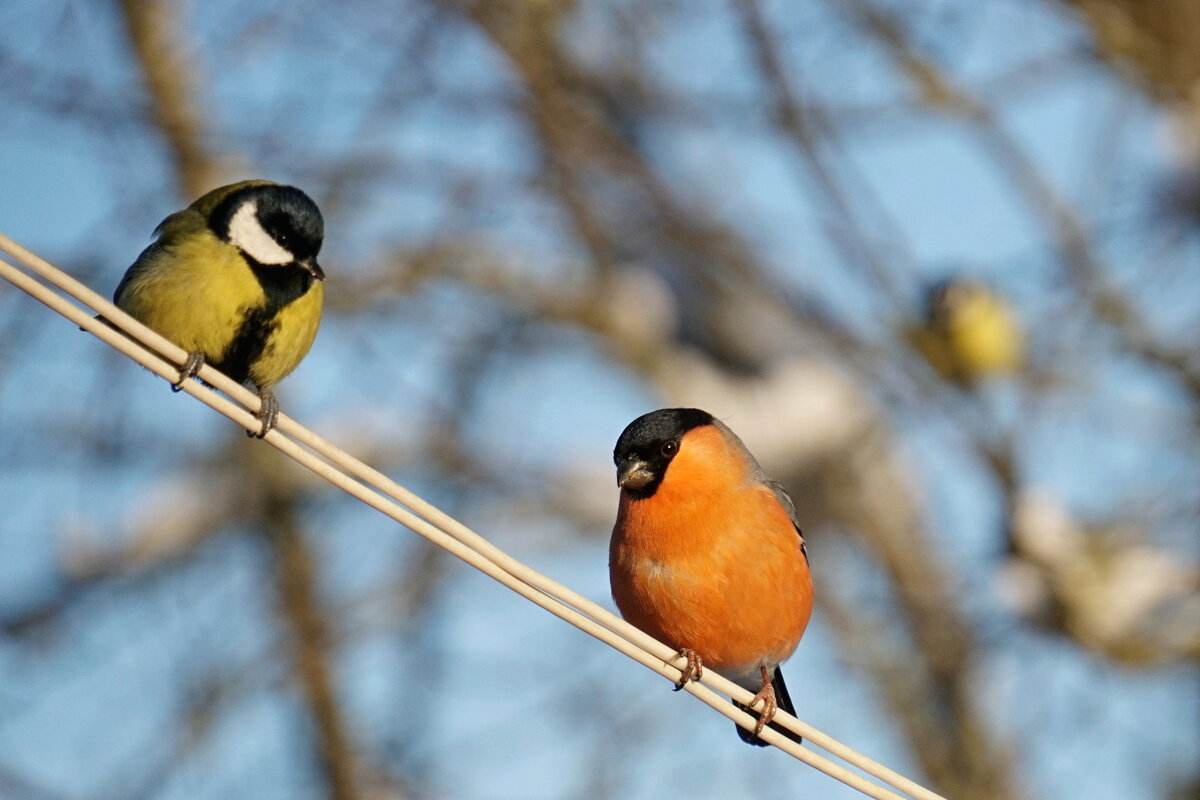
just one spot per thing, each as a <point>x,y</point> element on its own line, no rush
<point>706,554</point>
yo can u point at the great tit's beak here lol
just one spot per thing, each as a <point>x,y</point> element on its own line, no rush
<point>313,268</point>
<point>633,474</point>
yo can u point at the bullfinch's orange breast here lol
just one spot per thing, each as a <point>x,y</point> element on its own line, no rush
<point>711,561</point>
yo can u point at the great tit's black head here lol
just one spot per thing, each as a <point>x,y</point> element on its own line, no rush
<point>647,445</point>
<point>272,224</point>
<point>945,299</point>
<point>935,300</point>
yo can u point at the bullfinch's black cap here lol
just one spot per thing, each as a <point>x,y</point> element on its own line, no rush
<point>648,444</point>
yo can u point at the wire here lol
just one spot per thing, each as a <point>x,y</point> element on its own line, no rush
<point>372,487</point>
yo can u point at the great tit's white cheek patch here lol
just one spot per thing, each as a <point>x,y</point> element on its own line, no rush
<point>247,234</point>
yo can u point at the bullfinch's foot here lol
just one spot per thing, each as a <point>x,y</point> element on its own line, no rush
<point>767,695</point>
<point>195,361</point>
<point>693,670</point>
<point>268,413</point>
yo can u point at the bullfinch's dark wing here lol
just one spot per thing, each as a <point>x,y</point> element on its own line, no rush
<point>785,500</point>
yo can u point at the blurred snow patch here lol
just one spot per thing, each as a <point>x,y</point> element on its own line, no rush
<point>1043,530</point>
<point>801,409</point>
<point>639,304</point>
<point>1022,588</point>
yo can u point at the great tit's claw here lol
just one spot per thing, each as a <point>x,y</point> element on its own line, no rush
<point>195,361</point>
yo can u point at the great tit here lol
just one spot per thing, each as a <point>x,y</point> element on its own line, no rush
<point>234,280</point>
<point>969,332</point>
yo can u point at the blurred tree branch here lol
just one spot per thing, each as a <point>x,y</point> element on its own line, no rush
<point>18,787</point>
<point>857,483</point>
<point>1157,44</point>
<point>154,30</point>
<point>942,95</point>
<point>297,584</point>
<point>512,173</point>
<point>811,133</point>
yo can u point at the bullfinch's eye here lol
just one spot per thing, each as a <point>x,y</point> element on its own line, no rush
<point>670,448</point>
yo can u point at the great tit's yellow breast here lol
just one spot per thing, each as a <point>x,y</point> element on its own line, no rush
<point>987,338</point>
<point>195,291</point>
<point>295,329</point>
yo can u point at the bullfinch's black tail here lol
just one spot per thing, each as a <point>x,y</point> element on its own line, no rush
<point>783,702</point>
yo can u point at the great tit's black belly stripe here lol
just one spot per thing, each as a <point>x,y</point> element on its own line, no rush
<point>281,285</point>
<point>249,343</point>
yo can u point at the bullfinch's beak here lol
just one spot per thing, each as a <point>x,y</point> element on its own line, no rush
<point>634,474</point>
<point>313,268</point>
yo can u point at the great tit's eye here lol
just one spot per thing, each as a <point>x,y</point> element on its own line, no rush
<point>670,448</point>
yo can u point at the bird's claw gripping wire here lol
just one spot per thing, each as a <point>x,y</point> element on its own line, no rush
<point>195,361</point>
<point>767,695</point>
<point>692,671</point>
<point>268,413</point>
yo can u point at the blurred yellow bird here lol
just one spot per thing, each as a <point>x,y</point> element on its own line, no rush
<point>969,332</point>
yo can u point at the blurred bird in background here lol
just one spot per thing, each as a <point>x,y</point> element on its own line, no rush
<point>968,333</point>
